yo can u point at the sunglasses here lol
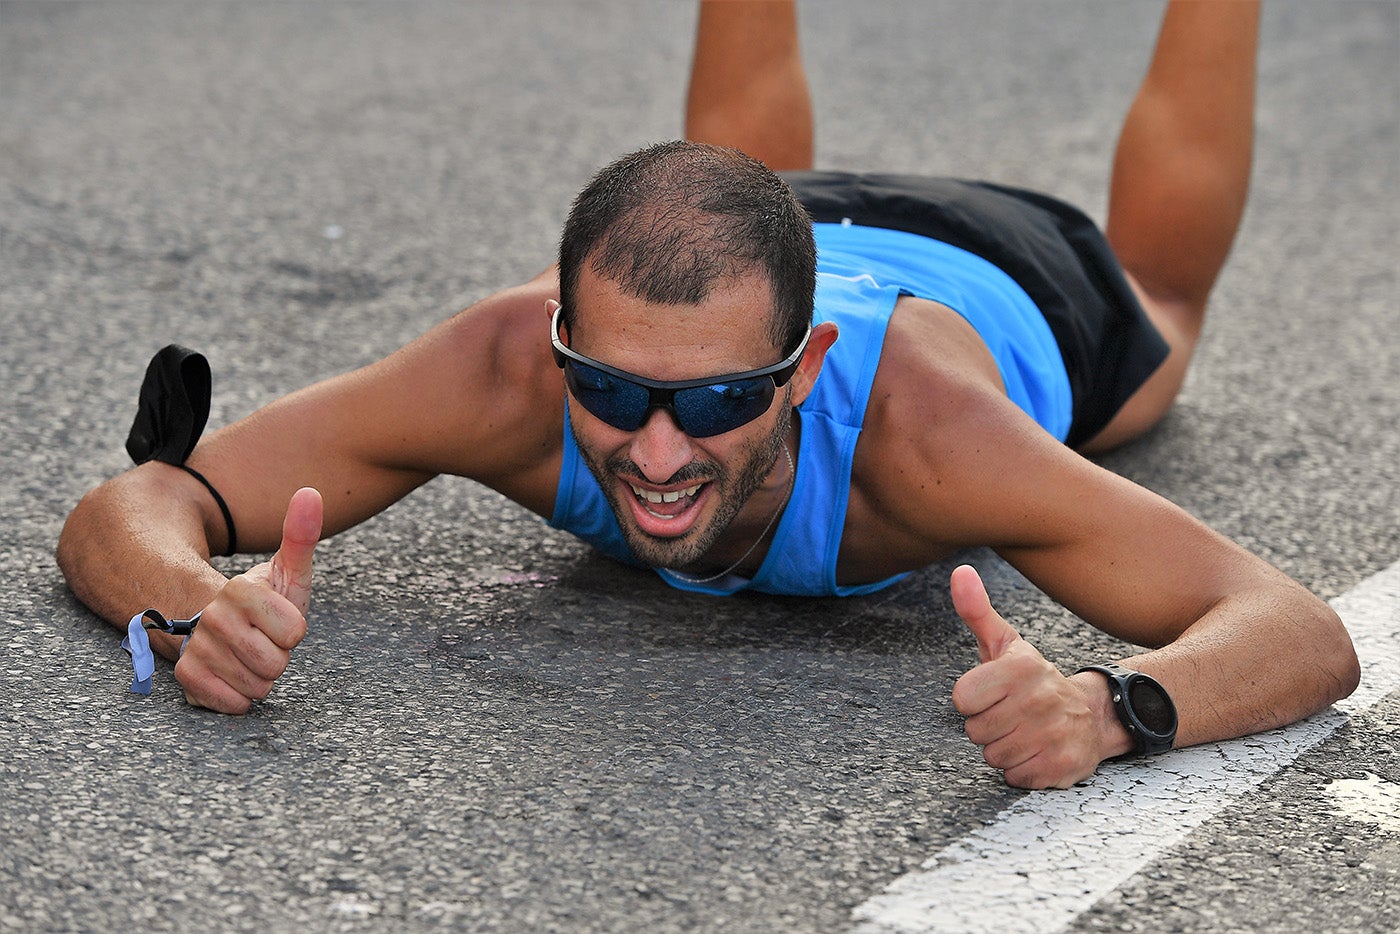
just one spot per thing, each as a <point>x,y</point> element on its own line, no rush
<point>701,407</point>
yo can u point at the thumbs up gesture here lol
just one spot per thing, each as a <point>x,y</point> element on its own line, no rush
<point>246,635</point>
<point>1033,723</point>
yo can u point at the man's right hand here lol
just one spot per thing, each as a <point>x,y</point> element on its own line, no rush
<point>246,635</point>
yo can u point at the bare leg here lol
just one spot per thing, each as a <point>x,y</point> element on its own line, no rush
<point>747,86</point>
<point>1180,178</point>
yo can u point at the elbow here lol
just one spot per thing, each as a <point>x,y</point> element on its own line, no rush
<point>65,552</point>
<point>68,552</point>
<point>1336,657</point>
<point>84,542</point>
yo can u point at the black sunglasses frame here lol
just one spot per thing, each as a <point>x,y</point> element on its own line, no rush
<point>662,393</point>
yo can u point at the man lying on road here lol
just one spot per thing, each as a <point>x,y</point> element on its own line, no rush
<point>669,394</point>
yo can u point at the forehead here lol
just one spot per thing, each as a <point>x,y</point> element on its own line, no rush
<point>726,332</point>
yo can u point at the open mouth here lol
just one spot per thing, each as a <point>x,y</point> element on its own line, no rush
<point>667,505</point>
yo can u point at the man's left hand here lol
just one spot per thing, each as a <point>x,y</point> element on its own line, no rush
<point>1034,724</point>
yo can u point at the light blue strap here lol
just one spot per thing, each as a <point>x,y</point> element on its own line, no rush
<point>143,663</point>
<point>138,644</point>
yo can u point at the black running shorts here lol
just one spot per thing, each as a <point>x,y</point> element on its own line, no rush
<point>1051,249</point>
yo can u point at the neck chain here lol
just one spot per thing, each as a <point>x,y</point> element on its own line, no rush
<point>792,481</point>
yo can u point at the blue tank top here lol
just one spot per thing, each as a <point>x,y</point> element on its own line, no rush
<point>861,272</point>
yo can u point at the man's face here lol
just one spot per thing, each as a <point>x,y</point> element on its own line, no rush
<point>674,495</point>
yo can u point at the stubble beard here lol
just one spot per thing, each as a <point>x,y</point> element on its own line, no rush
<point>731,490</point>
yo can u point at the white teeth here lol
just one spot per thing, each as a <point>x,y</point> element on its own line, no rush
<point>652,496</point>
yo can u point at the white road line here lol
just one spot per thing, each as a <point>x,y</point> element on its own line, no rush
<point>1053,854</point>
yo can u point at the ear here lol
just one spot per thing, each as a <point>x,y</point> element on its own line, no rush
<point>550,307</point>
<point>823,336</point>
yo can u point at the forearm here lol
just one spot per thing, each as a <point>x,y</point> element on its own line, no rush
<point>141,540</point>
<point>1258,660</point>
<point>1239,646</point>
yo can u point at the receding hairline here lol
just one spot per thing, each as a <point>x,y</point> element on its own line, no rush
<point>670,221</point>
<point>772,312</point>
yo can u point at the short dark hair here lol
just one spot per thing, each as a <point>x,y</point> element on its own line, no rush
<point>670,221</point>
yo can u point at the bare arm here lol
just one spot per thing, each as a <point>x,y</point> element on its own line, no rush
<point>476,396</point>
<point>1238,645</point>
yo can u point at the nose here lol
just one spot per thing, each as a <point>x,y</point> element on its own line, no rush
<point>660,448</point>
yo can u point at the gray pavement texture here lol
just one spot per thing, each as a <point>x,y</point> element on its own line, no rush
<point>489,727</point>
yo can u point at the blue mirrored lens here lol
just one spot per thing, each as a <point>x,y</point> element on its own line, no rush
<point>616,401</point>
<point>701,411</point>
<point>720,407</point>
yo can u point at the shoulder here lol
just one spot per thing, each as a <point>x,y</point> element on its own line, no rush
<point>505,338</point>
<point>946,460</point>
<point>480,395</point>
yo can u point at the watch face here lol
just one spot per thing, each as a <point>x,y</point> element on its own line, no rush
<point>1151,706</point>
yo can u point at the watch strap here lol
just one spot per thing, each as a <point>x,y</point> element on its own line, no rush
<point>1147,742</point>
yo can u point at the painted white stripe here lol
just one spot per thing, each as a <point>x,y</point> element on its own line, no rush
<point>1370,800</point>
<point>1053,854</point>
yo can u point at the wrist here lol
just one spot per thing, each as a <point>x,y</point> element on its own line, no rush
<point>165,645</point>
<point>1111,737</point>
<point>1143,708</point>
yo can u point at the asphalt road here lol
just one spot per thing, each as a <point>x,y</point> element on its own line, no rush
<point>489,727</point>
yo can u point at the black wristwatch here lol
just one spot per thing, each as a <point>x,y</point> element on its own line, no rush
<point>1143,706</point>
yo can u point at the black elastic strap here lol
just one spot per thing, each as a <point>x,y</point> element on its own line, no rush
<point>223,508</point>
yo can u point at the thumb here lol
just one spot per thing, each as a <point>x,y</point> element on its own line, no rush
<point>970,599</point>
<point>301,529</point>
